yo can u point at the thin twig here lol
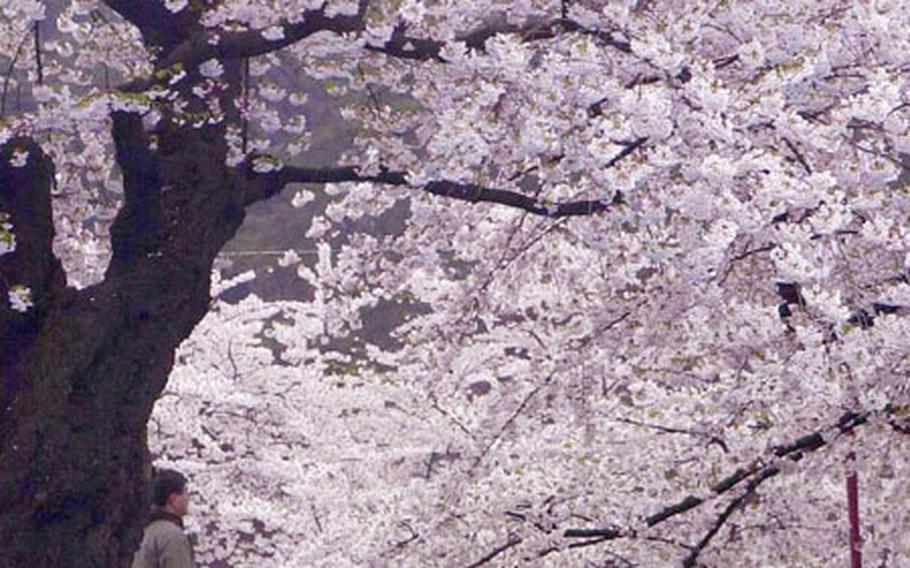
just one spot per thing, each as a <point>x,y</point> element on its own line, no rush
<point>692,558</point>
<point>9,73</point>
<point>799,157</point>
<point>712,439</point>
<point>584,341</point>
<point>526,246</point>
<point>513,541</point>
<point>510,420</point>
<point>750,252</point>
<point>591,542</point>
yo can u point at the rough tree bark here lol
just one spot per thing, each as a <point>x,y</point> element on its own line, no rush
<point>82,369</point>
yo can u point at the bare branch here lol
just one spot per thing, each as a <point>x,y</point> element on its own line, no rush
<point>582,342</point>
<point>750,252</point>
<point>712,438</point>
<point>603,36</point>
<point>692,558</point>
<point>755,473</point>
<point>513,541</point>
<point>609,533</point>
<point>271,183</point>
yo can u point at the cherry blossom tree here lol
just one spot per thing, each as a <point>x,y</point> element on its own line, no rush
<point>658,251</point>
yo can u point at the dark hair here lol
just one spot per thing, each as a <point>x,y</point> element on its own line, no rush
<point>166,483</point>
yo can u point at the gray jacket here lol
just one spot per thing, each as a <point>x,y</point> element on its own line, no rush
<point>164,544</point>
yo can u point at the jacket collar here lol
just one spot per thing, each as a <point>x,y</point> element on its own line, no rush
<point>162,515</point>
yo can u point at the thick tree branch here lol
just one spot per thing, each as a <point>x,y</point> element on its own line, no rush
<point>252,43</point>
<point>158,25</point>
<point>271,183</point>
<point>856,539</point>
<point>137,226</point>
<point>404,46</point>
<point>26,178</point>
<point>189,44</point>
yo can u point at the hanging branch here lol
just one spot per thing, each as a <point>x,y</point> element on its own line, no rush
<point>38,53</point>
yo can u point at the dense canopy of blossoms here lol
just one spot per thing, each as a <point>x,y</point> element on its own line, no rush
<point>660,318</point>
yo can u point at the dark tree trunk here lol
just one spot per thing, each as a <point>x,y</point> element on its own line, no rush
<point>82,369</point>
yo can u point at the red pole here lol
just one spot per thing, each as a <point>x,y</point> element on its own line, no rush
<point>856,542</point>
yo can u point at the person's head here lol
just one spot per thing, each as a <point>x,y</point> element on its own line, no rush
<point>169,491</point>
